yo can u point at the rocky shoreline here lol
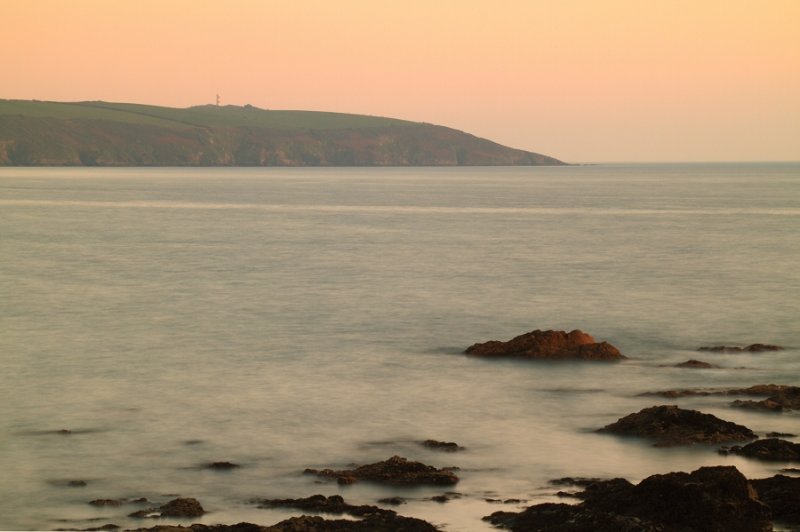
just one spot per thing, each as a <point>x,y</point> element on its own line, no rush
<point>714,498</point>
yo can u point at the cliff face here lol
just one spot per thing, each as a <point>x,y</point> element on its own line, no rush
<point>113,135</point>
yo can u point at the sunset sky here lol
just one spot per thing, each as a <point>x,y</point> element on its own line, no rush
<point>581,80</point>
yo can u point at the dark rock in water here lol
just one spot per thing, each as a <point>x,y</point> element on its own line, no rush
<point>574,481</point>
<point>396,470</point>
<point>695,364</point>
<point>447,446</point>
<point>374,523</point>
<point>791,470</point>
<point>320,503</point>
<point>759,389</point>
<point>548,345</point>
<point>782,495</point>
<point>222,466</point>
<point>181,507</point>
<point>394,501</point>
<point>670,425</point>
<point>711,499</point>
<point>770,449</point>
<point>752,348</point>
<point>780,435</point>
<point>77,483</point>
<point>784,399</point>
<point>109,526</point>
<point>239,527</point>
<point>107,502</point>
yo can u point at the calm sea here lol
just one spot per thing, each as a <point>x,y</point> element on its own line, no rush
<point>291,318</point>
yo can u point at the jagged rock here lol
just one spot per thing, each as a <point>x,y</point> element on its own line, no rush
<point>752,348</point>
<point>548,345</point>
<point>782,495</point>
<point>447,446</point>
<point>320,503</point>
<point>395,470</point>
<point>669,425</point>
<point>770,449</point>
<point>711,499</point>
<point>181,507</point>
<point>785,399</point>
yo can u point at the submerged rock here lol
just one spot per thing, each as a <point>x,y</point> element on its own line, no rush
<point>758,389</point>
<point>334,504</point>
<point>221,466</point>
<point>669,425</point>
<point>695,364</point>
<point>770,449</point>
<point>447,446</point>
<point>181,507</point>
<point>711,499</point>
<point>396,470</point>
<point>548,345</point>
<point>752,348</point>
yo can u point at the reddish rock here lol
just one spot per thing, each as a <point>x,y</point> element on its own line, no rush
<point>670,425</point>
<point>396,470</point>
<point>785,399</point>
<point>548,345</point>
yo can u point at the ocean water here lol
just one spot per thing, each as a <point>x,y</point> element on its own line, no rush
<point>291,318</point>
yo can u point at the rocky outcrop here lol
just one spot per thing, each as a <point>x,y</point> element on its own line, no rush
<point>784,400</point>
<point>782,495</point>
<point>770,449</point>
<point>669,425</point>
<point>181,507</point>
<point>711,499</point>
<point>396,470</point>
<point>752,348</point>
<point>548,345</point>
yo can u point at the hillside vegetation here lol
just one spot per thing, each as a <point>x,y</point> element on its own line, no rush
<point>34,133</point>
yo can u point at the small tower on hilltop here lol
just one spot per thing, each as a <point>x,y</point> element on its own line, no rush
<point>217,100</point>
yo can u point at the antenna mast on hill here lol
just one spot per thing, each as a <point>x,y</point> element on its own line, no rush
<point>217,100</point>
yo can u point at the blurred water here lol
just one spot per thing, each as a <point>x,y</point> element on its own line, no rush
<point>293,318</point>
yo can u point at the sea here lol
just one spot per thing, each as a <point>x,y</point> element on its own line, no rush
<point>156,320</point>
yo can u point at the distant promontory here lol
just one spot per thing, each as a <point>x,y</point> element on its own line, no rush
<point>38,133</point>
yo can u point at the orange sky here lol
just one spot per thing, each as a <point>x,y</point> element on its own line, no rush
<point>581,80</point>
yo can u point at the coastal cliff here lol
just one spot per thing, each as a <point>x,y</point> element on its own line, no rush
<point>34,133</point>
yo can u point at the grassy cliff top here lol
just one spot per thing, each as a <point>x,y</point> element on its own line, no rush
<point>198,116</point>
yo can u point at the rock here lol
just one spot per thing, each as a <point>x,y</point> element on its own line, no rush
<point>222,466</point>
<point>574,481</point>
<point>373,523</point>
<point>77,483</point>
<point>670,425</point>
<point>759,389</point>
<point>447,446</point>
<point>394,501</point>
<point>548,345</point>
<point>396,470</point>
<point>695,364</point>
<point>782,495</point>
<point>770,449</point>
<point>784,399</point>
<point>181,507</point>
<point>109,526</point>
<point>752,348</point>
<point>792,470</point>
<point>780,435</point>
<point>711,499</point>
<point>320,503</point>
<point>107,502</point>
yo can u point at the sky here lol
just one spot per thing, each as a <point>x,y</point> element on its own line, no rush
<point>580,80</point>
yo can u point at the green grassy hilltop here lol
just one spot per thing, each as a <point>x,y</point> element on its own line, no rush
<point>123,134</point>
